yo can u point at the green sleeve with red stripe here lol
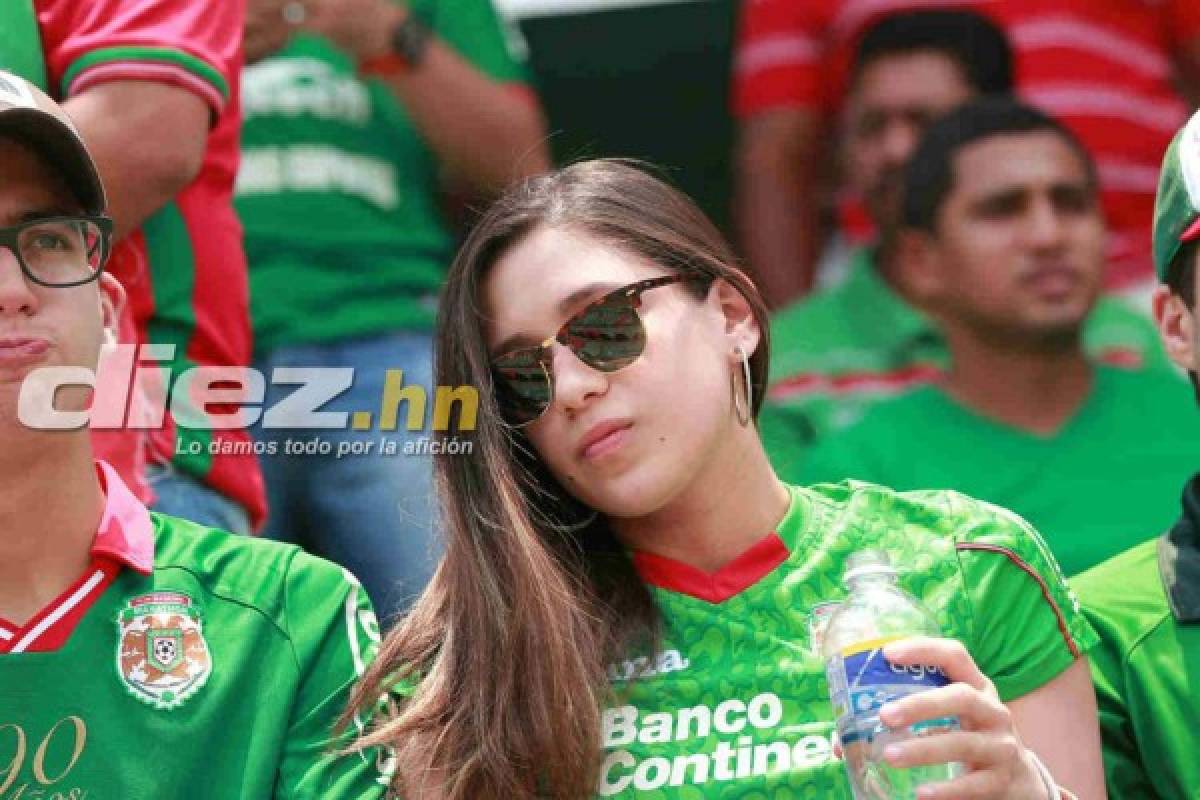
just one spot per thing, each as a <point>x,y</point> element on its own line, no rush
<point>195,46</point>
<point>1027,627</point>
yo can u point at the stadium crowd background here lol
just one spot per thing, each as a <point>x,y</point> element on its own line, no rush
<point>355,182</point>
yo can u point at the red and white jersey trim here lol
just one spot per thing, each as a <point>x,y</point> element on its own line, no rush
<point>50,627</point>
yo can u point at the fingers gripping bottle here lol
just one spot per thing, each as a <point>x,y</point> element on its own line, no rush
<point>861,680</point>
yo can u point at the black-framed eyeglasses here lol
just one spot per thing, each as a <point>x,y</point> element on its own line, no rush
<point>61,251</point>
<point>606,335</point>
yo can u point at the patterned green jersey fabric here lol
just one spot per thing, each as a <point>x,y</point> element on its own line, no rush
<point>338,190</point>
<point>260,643</point>
<point>736,707</point>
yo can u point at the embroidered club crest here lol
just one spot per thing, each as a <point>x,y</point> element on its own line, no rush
<point>162,656</point>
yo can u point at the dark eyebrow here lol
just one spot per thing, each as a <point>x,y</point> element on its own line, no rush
<point>566,306</point>
<point>1006,195</point>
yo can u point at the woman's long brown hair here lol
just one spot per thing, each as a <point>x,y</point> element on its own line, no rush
<point>505,653</point>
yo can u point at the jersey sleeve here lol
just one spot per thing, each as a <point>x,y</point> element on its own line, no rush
<point>1124,771</point>
<point>778,57</point>
<point>195,46</point>
<point>1027,627</point>
<point>334,635</point>
<point>474,30</point>
<point>1183,21</point>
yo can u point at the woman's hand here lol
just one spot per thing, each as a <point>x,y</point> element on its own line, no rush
<point>999,767</point>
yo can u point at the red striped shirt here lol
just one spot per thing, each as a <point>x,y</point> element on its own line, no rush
<point>1102,66</point>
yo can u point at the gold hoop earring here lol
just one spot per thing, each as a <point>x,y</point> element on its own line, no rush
<point>744,413</point>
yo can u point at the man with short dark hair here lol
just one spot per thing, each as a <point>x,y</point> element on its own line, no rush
<point>141,655</point>
<point>1004,242</point>
<point>1145,603</point>
<point>839,352</point>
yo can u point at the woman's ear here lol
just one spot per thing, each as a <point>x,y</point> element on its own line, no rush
<point>741,327</point>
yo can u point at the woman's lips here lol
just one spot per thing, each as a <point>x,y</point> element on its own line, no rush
<point>604,438</point>
<point>22,352</point>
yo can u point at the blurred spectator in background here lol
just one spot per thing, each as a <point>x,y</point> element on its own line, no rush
<point>1105,67</point>
<point>1004,239</point>
<point>847,347</point>
<point>1145,603</point>
<point>152,87</point>
<point>350,129</point>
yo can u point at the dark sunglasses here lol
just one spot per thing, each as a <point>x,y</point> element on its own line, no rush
<point>607,335</point>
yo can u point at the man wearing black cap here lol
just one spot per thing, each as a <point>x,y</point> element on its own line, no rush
<point>141,656</point>
<point>1145,603</point>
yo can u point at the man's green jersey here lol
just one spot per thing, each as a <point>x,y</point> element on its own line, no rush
<point>1101,484</point>
<point>187,663</point>
<point>1145,606</point>
<point>838,353</point>
<point>338,190</point>
<point>735,705</point>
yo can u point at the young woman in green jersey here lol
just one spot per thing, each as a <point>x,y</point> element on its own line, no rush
<point>618,531</point>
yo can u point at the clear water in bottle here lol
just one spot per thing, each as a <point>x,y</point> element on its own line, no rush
<point>861,680</point>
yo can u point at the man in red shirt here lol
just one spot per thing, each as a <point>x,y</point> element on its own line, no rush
<point>152,86</point>
<point>1104,67</point>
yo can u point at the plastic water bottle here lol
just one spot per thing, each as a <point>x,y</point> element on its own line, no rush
<point>861,680</point>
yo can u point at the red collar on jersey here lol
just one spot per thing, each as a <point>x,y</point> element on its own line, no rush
<point>714,587</point>
<point>125,536</point>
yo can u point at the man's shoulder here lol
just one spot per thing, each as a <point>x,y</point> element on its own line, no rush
<point>1124,598</point>
<point>956,516</point>
<point>242,570</point>
<point>1126,580</point>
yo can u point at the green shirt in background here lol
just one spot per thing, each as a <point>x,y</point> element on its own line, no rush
<point>338,191</point>
<point>1147,665</point>
<point>1103,483</point>
<point>836,354</point>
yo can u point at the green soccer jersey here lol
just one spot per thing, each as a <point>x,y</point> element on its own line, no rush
<point>1145,606</point>
<point>838,353</point>
<point>338,191</point>
<point>211,668</point>
<point>735,706</point>
<point>1103,483</point>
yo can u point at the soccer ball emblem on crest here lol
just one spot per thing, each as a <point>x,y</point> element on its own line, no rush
<point>162,656</point>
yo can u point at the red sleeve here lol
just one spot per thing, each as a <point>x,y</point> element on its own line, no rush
<point>1183,20</point>
<point>779,55</point>
<point>194,44</point>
